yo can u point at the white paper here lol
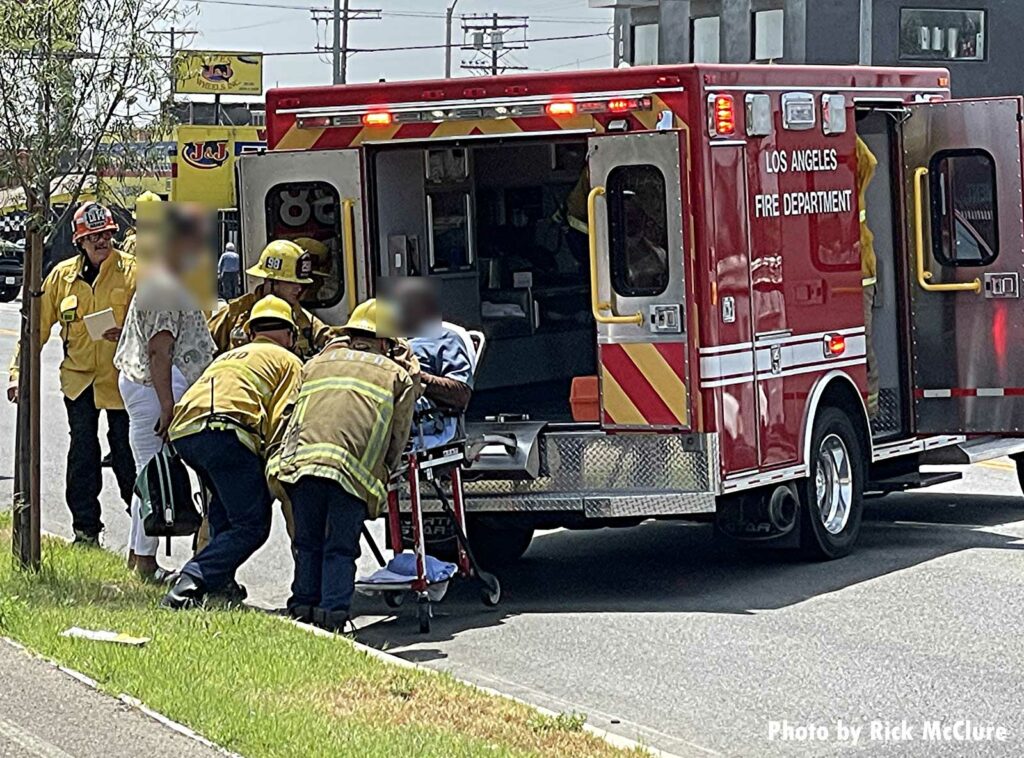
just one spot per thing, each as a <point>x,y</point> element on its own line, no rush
<point>103,635</point>
<point>99,322</point>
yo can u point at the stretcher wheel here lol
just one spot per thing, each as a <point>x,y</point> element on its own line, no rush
<point>490,593</point>
<point>394,599</point>
<point>423,613</point>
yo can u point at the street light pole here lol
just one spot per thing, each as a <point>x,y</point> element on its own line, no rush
<point>448,39</point>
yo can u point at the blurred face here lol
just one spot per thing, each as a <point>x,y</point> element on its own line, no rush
<point>97,246</point>
<point>290,292</point>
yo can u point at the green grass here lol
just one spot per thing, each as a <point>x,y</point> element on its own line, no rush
<point>256,685</point>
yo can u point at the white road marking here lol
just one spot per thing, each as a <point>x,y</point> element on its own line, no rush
<point>29,742</point>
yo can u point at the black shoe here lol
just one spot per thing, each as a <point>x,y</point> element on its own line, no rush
<point>107,461</point>
<point>86,539</point>
<point>303,613</point>
<point>232,593</point>
<point>187,592</point>
<point>338,622</point>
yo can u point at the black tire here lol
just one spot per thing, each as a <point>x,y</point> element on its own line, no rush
<point>490,593</point>
<point>394,599</point>
<point>837,467</point>
<point>498,545</point>
<point>7,295</point>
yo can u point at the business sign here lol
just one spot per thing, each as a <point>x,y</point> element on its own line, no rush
<point>204,171</point>
<point>205,72</point>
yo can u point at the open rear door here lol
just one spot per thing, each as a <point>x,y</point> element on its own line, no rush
<point>313,195</point>
<point>637,279</point>
<point>966,232</point>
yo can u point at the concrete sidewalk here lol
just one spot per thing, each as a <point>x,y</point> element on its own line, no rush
<point>44,713</point>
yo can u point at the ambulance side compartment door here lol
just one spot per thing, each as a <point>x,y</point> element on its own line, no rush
<point>309,195</point>
<point>965,230</point>
<point>635,223</point>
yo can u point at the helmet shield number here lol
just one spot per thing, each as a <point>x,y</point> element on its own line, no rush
<point>95,217</point>
<point>304,266</point>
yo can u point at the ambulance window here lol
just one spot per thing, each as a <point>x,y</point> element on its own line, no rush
<point>964,219</point>
<point>307,212</point>
<point>638,231</point>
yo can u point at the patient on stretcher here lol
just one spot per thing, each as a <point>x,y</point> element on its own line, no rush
<point>446,355</point>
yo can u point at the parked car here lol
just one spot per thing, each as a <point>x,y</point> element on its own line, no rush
<point>12,267</point>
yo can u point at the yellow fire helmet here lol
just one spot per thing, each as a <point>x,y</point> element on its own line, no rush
<point>373,317</point>
<point>284,261</point>
<point>271,307</point>
<point>364,317</point>
<point>148,197</point>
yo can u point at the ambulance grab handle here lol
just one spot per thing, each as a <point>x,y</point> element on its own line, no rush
<point>922,275</point>
<point>596,306</point>
<point>349,236</point>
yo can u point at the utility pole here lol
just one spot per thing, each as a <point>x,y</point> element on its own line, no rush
<point>866,31</point>
<point>339,17</point>
<point>493,37</point>
<point>448,39</point>
<point>172,35</point>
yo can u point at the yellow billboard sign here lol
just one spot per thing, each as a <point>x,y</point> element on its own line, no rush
<point>204,169</point>
<point>206,72</point>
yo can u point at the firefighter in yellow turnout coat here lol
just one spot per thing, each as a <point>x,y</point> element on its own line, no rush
<point>98,278</point>
<point>286,270</point>
<point>347,429</point>
<point>220,429</point>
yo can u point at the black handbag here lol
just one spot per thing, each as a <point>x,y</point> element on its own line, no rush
<point>165,489</point>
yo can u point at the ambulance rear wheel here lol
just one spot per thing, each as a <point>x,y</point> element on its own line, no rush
<point>833,495</point>
<point>498,544</point>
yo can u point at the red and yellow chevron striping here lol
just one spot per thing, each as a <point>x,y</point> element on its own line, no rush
<point>643,384</point>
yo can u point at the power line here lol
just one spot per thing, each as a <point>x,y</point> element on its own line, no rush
<point>394,14</point>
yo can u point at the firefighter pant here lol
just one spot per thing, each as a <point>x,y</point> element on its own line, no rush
<point>239,504</point>
<point>873,382</point>
<point>328,522</point>
<point>143,408</point>
<point>84,474</point>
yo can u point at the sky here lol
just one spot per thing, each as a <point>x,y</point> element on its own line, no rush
<point>286,26</point>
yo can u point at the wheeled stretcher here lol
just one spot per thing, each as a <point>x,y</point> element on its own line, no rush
<point>431,465</point>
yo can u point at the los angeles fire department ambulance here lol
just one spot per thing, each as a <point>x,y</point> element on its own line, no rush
<point>684,242</point>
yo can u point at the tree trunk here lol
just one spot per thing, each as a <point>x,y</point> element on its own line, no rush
<point>27,499</point>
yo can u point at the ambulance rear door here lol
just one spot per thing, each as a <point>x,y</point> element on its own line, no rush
<point>637,278</point>
<point>965,229</point>
<point>315,194</point>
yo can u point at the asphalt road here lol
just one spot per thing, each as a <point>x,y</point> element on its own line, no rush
<point>47,714</point>
<point>658,633</point>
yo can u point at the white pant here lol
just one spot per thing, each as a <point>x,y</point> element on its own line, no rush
<point>143,408</point>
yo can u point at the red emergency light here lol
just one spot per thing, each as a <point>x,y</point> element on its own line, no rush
<point>723,115</point>
<point>378,118</point>
<point>835,345</point>
<point>561,108</point>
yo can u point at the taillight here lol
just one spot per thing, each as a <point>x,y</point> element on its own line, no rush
<point>835,345</point>
<point>561,108</point>
<point>378,118</point>
<point>620,105</point>
<point>722,119</point>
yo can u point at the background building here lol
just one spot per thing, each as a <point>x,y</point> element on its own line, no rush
<point>978,40</point>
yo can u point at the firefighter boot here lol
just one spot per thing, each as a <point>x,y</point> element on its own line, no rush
<point>86,539</point>
<point>187,592</point>
<point>332,621</point>
<point>303,613</point>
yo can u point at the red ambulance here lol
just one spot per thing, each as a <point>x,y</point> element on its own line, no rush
<point>667,265</point>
